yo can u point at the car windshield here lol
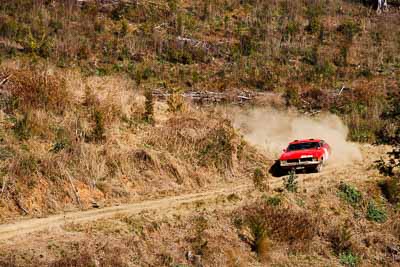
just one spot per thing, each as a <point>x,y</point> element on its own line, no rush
<point>303,146</point>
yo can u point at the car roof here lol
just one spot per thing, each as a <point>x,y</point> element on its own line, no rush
<point>305,141</point>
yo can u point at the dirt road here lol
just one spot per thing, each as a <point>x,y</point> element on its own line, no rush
<point>32,225</point>
<point>329,177</point>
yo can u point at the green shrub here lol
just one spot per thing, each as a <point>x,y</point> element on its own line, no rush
<point>6,153</point>
<point>348,259</point>
<point>273,201</point>
<point>375,214</point>
<point>292,28</point>
<point>290,183</point>
<point>349,194</point>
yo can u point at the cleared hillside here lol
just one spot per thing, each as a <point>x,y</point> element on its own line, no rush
<point>304,50</point>
<point>133,107</point>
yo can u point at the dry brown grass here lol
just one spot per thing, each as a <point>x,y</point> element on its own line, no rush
<point>100,149</point>
<point>206,142</point>
<point>262,222</point>
<point>35,89</point>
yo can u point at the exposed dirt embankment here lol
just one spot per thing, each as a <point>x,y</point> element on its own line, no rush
<point>271,130</point>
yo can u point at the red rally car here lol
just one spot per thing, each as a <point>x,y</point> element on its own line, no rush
<point>305,154</point>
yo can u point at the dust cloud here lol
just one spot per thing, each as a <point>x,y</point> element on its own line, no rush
<point>271,130</point>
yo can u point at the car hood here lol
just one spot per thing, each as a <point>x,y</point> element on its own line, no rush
<point>299,153</point>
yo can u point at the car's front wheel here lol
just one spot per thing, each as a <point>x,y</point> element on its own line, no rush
<point>318,168</point>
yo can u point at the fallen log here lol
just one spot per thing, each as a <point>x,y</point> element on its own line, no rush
<point>208,96</point>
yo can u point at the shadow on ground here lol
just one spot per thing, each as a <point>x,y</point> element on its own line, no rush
<point>276,171</point>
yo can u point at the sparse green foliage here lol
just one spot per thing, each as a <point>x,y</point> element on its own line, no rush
<point>375,213</point>
<point>349,194</point>
<point>290,183</point>
<point>348,259</point>
<point>273,201</point>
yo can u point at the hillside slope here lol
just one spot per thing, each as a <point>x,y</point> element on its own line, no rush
<point>322,224</point>
<point>304,50</point>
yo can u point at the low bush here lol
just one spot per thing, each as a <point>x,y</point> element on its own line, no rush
<point>273,201</point>
<point>219,147</point>
<point>290,183</point>
<point>348,259</point>
<point>375,213</point>
<point>349,194</point>
<point>279,223</point>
